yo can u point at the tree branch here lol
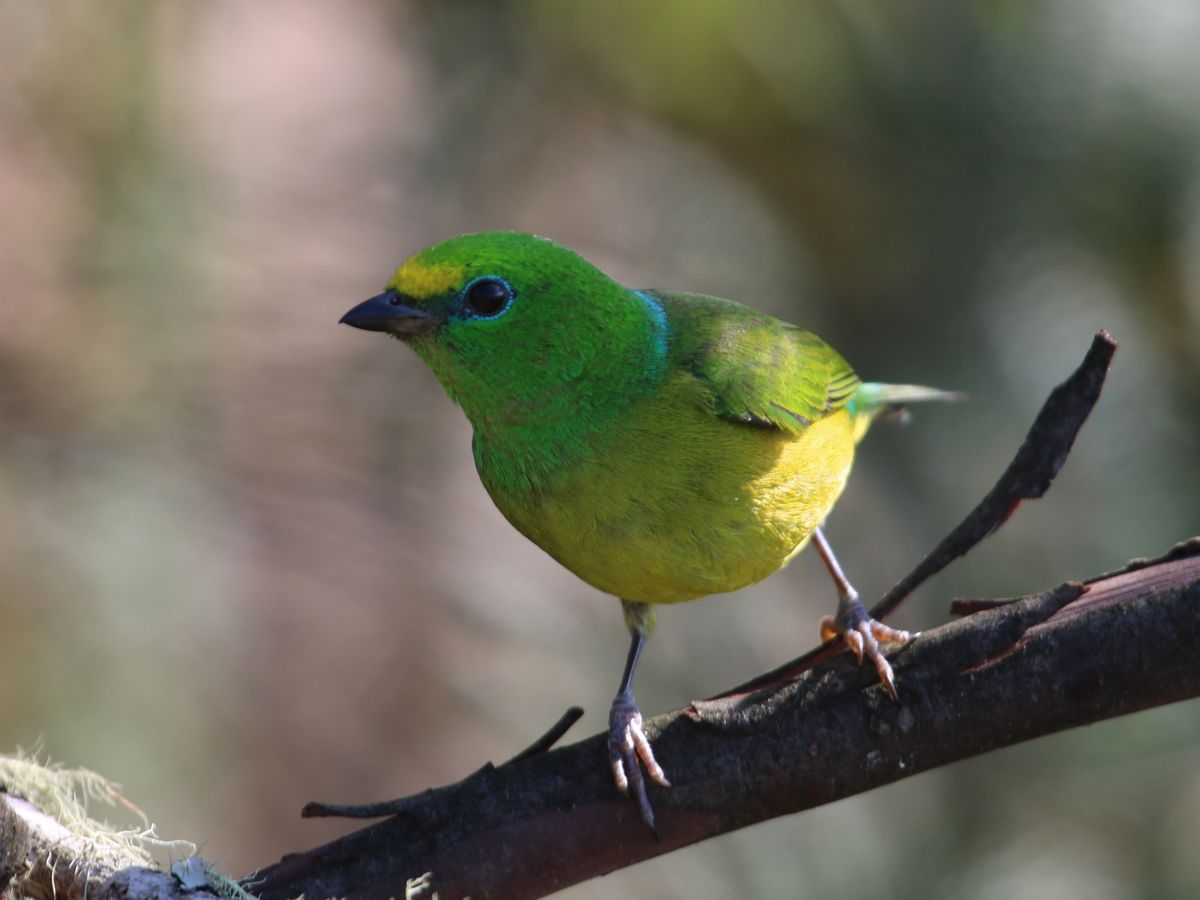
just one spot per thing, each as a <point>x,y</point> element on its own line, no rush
<point>812,731</point>
<point>1072,655</point>
<point>1076,654</point>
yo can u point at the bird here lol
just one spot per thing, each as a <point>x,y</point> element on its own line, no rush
<point>661,445</point>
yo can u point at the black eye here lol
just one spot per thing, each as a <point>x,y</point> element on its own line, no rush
<point>488,296</point>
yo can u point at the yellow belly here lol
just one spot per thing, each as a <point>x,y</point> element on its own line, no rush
<point>676,503</point>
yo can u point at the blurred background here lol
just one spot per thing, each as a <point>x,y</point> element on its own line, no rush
<point>245,560</point>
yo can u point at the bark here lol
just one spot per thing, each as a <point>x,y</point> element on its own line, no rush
<point>1008,672</point>
<point>1075,654</point>
<point>43,860</point>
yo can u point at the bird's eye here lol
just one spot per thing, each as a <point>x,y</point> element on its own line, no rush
<point>488,297</point>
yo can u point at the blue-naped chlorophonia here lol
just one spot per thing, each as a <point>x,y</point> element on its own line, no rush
<point>661,445</point>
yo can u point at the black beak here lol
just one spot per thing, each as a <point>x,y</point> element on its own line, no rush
<point>389,312</point>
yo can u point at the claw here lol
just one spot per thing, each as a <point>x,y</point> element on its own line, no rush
<point>854,640</point>
<point>862,635</point>
<point>629,751</point>
<point>853,624</point>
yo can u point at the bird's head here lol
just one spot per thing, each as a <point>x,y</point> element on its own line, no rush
<point>508,321</point>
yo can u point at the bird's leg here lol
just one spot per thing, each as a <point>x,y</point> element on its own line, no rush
<point>852,622</point>
<point>628,747</point>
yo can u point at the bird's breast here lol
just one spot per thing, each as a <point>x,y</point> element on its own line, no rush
<point>673,503</point>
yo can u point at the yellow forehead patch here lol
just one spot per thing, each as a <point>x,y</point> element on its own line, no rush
<point>421,280</point>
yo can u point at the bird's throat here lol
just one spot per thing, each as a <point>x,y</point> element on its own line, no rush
<point>529,438</point>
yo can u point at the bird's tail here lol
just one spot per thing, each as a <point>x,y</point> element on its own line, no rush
<point>874,400</point>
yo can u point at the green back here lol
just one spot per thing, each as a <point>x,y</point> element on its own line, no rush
<point>760,370</point>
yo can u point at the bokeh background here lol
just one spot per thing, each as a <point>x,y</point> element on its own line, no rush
<point>245,560</point>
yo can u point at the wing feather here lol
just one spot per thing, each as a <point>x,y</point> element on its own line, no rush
<point>758,370</point>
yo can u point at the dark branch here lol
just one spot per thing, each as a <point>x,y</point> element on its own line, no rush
<point>1027,477</point>
<point>542,822</point>
<point>1076,654</point>
<point>552,736</point>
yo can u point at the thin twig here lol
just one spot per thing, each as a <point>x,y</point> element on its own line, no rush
<point>553,734</point>
<point>316,809</point>
<point>1028,476</point>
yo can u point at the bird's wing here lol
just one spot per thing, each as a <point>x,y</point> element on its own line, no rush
<point>759,370</point>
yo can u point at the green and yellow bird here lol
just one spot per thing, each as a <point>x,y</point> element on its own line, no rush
<point>661,445</point>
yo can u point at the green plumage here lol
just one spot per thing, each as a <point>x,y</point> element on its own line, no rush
<point>759,370</point>
<point>660,445</point>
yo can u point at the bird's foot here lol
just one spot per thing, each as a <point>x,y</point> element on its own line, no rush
<point>628,751</point>
<point>862,634</point>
